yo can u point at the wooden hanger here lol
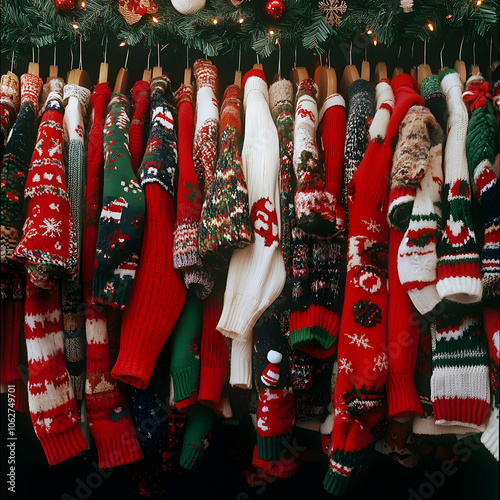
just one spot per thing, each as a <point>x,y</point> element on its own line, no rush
<point>460,65</point>
<point>380,71</point>
<point>493,65</point>
<point>423,70</point>
<point>121,81</point>
<point>365,68</point>
<point>187,70</point>
<point>34,68</point>
<point>103,68</point>
<point>326,79</point>
<point>349,75</point>
<point>79,77</point>
<point>474,69</point>
<point>298,73</point>
<point>237,74</point>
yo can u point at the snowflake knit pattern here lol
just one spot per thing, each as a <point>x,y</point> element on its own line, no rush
<point>9,105</point>
<point>361,106</point>
<point>225,218</point>
<point>459,264</point>
<point>362,353</point>
<point>314,207</point>
<point>50,395</point>
<point>15,165</point>
<point>48,246</point>
<point>122,214</point>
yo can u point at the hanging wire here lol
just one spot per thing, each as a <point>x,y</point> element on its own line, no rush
<point>239,59</point>
<point>149,56</point>
<point>105,48</point>
<point>425,52</point>
<point>399,53</point>
<point>187,56</point>
<point>158,47</point>
<point>412,51</point>
<point>329,57</point>
<point>491,48</point>
<point>80,63</point>
<point>474,53</point>
<point>206,51</point>
<point>55,55</point>
<point>460,51</point>
<point>12,62</point>
<point>126,57</point>
<point>279,58</point>
<point>320,60</point>
<point>295,60</point>
<point>33,53</point>
<point>257,54</point>
<point>441,54</point>
<point>71,50</point>
<point>350,55</point>
<point>38,55</point>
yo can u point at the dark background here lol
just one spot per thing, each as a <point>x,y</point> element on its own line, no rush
<point>219,477</point>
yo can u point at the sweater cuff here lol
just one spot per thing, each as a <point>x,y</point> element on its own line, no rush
<point>490,436</point>
<point>211,385</point>
<point>425,299</point>
<point>118,446</point>
<point>462,287</point>
<point>133,369</point>
<point>239,315</point>
<point>64,445</point>
<point>185,381</point>
<point>241,364</point>
<point>402,397</point>
<point>427,426</point>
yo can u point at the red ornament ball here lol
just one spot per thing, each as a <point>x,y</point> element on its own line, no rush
<point>64,4</point>
<point>275,8</point>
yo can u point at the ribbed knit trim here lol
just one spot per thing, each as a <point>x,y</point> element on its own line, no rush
<point>241,364</point>
<point>310,334</point>
<point>283,468</point>
<point>402,397</point>
<point>270,448</point>
<point>469,412</point>
<point>184,381</point>
<point>256,83</point>
<point>427,426</point>
<point>401,200</point>
<point>430,86</point>
<point>490,436</point>
<point>233,323</point>
<point>133,369</point>
<point>426,299</point>
<point>62,446</point>
<point>461,289</point>
<point>329,102</point>
<point>336,484</point>
<point>117,447</point>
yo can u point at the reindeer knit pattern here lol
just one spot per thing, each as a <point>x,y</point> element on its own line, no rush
<point>314,207</point>
<point>225,218</point>
<point>50,395</point>
<point>15,165</point>
<point>48,246</point>
<point>459,265</point>
<point>361,106</point>
<point>122,214</point>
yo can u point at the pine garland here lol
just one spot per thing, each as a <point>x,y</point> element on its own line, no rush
<point>28,23</point>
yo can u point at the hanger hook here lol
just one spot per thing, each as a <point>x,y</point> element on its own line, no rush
<point>279,57</point>
<point>461,45</point>
<point>320,60</point>
<point>239,58</point>
<point>441,53</point>
<point>71,50</point>
<point>187,56</point>
<point>425,52</point>
<point>350,54</point>
<point>12,63</point>
<point>80,63</point>
<point>105,47</point>
<point>55,55</point>
<point>491,47</point>
<point>295,60</point>
<point>474,53</point>
<point>126,57</point>
<point>206,52</point>
<point>329,57</point>
<point>158,47</point>
<point>257,54</point>
<point>399,52</point>
<point>33,53</point>
<point>149,56</point>
<point>412,50</point>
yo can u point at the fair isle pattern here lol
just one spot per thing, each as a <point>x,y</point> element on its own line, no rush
<point>15,165</point>
<point>122,216</point>
<point>313,205</point>
<point>48,246</point>
<point>9,104</point>
<point>460,386</point>
<point>50,395</point>
<point>410,163</point>
<point>109,417</point>
<point>417,256</point>
<point>161,149</point>
<point>361,106</point>
<point>481,147</point>
<point>225,218</point>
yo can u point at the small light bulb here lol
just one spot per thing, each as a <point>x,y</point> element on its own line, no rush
<point>215,21</point>
<point>479,2</point>
<point>75,26</point>
<point>241,20</point>
<point>449,16</point>
<point>271,32</point>
<point>375,42</point>
<point>83,5</point>
<point>122,44</point>
<point>369,32</point>
<point>430,26</point>
<point>155,19</point>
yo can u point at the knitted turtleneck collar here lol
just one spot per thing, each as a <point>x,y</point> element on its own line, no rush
<point>358,87</point>
<point>404,80</point>
<point>81,93</point>
<point>9,90</point>
<point>255,79</point>
<point>430,87</point>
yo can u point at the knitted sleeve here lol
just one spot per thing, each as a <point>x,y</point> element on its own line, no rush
<point>122,215</point>
<point>225,218</point>
<point>362,353</point>
<point>314,206</point>
<point>158,294</point>
<point>256,273</point>
<point>459,265</point>
<point>361,105</point>
<point>15,164</point>
<point>9,105</point>
<point>48,246</point>
<point>138,123</point>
